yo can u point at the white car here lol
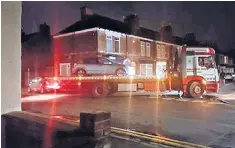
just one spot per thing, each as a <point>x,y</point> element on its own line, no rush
<point>100,66</point>
<point>228,76</point>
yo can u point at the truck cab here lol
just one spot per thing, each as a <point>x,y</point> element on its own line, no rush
<point>199,70</point>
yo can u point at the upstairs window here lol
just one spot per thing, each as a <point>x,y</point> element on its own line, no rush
<point>109,44</point>
<point>161,51</point>
<point>142,48</point>
<point>112,44</point>
<point>147,49</point>
<point>116,45</point>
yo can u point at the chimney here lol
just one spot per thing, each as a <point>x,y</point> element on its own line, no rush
<point>166,33</point>
<point>44,30</point>
<point>133,23</point>
<point>85,12</point>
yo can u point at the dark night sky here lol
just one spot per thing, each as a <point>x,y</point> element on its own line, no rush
<point>208,20</point>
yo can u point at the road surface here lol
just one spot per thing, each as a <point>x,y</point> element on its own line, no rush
<point>197,121</point>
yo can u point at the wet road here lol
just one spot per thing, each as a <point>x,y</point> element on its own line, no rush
<point>196,121</point>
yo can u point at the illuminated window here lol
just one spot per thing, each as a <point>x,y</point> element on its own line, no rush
<point>225,60</point>
<point>162,52</point>
<point>146,69</point>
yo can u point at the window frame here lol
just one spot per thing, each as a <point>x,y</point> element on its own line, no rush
<point>113,40</point>
<point>146,68</point>
<point>119,46</point>
<point>142,51</point>
<point>103,58</point>
<point>109,38</point>
<point>148,46</point>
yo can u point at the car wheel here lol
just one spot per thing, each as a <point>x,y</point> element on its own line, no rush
<point>196,90</point>
<point>81,72</point>
<point>120,72</point>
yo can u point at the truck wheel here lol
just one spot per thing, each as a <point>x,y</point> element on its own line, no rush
<point>120,72</point>
<point>81,72</point>
<point>100,90</point>
<point>196,90</point>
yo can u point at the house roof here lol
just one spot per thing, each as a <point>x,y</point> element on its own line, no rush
<point>99,21</point>
<point>35,39</point>
<point>110,24</point>
<point>178,40</point>
<point>96,21</point>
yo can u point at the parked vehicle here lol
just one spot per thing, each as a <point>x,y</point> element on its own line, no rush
<point>228,70</point>
<point>100,66</point>
<point>42,85</point>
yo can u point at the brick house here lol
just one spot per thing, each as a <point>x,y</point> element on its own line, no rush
<point>98,34</point>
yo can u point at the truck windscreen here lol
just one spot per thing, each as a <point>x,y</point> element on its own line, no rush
<point>208,62</point>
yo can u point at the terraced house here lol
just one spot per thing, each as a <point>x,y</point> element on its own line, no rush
<point>150,50</point>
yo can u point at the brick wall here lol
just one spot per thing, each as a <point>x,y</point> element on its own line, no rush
<point>31,130</point>
<point>101,41</point>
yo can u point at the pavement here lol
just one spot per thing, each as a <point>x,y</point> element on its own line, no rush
<point>226,93</point>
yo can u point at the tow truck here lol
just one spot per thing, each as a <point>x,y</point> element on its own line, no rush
<point>194,73</point>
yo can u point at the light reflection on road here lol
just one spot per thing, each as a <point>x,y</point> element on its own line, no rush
<point>45,97</point>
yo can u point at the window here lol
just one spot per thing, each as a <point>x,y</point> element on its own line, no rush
<point>161,51</point>
<point>142,48</point>
<point>225,60</point>
<point>112,44</point>
<point>109,44</point>
<point>91,60</point>
<point>104,61</point>
<point>146,69</point>
<point>207,62</point>
<point>166,51</point>
<point>147,49</point>
<point>116,45</point>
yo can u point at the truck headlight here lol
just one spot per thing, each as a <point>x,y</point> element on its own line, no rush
<point>204,82</point>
